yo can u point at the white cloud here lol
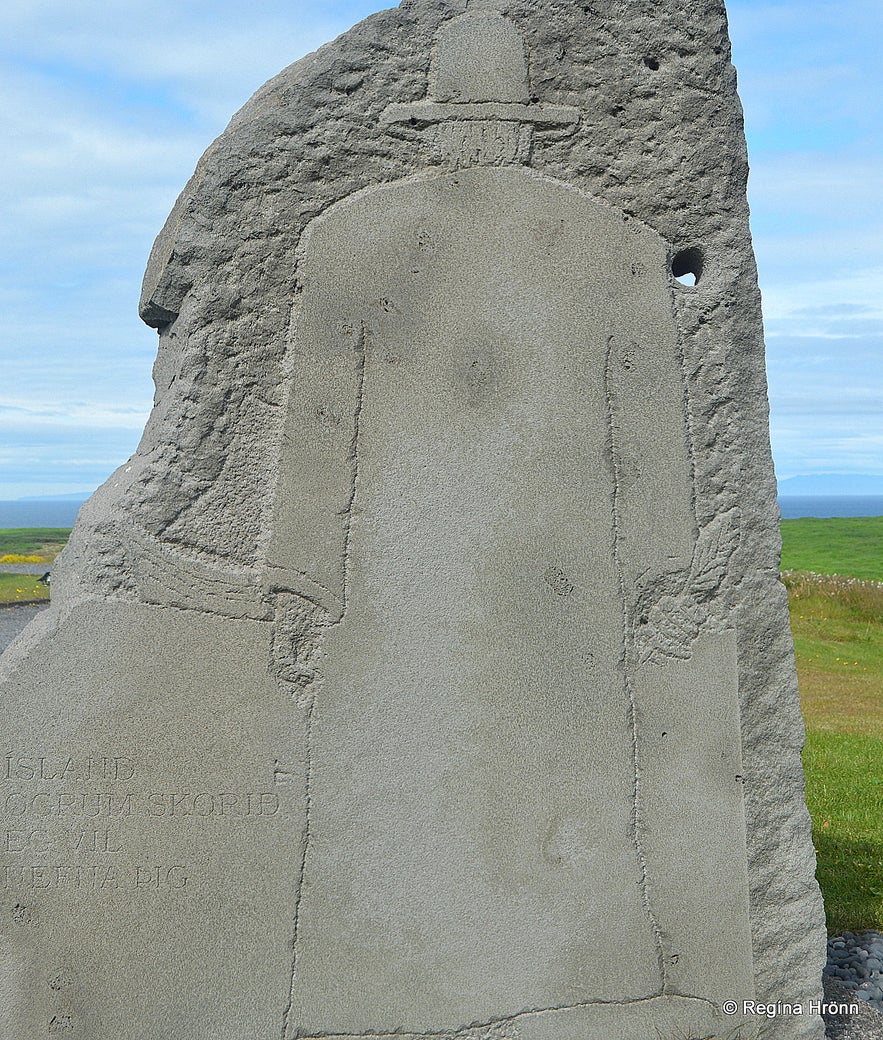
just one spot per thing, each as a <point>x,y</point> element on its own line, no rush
<point>22,414</point>
<point>831,450</point>
<point>208,57</point>
<point>840,307</point>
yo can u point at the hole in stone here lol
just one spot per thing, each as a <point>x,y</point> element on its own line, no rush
<point>686,266</point>
<point>652,64</point>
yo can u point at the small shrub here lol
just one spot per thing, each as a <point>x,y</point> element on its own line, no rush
<point>864,599</point>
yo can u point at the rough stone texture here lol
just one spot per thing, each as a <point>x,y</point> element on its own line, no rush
<point>206,617</point>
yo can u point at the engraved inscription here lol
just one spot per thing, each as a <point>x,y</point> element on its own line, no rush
<point>135,803</point>
<point>90,768</point>
<point>47,803</point>
<point>94,877</point>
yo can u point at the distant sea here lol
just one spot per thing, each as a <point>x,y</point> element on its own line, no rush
<point>794,506</point>
<point>39,513</point>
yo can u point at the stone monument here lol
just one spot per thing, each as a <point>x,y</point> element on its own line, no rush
<point>426,672</point>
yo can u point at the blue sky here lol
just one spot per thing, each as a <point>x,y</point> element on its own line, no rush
<point>107,107</point>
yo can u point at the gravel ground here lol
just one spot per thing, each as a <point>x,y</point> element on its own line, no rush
<point>865,1024</point>
<point>24,568</point>
<point>13,619</point>
<point>854,973</point>
<point>855,959</point>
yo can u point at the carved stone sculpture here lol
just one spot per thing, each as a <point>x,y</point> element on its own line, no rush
<point>426,671</point>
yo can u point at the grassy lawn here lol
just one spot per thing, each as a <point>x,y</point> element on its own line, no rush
<point>850,545</point>
<point>845,795</point>
<point>20,588</point>
<point>37,545</point>
<point>838,637</point>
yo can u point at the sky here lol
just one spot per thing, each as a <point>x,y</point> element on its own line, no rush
<point>106,107</point>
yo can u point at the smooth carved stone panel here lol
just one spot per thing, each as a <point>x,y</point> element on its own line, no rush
<point>149,827</point>
<point>465,490</point>
<point>692,827</point>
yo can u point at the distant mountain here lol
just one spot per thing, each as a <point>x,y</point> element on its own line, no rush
<point>831,484</point>
<point>75,496</point>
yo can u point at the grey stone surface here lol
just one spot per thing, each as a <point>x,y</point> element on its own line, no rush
<point>150,820</point>
<point>426,671</point>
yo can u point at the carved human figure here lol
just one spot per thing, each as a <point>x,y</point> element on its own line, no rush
<point>466,507</point>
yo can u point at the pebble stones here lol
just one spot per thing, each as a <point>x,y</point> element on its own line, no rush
<point>856,960</point>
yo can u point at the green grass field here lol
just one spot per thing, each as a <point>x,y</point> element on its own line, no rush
<point>838,639</point>
<point>37,545</point>
<point>845,797</point>
<point>21,588</point>
<point>844,545</point>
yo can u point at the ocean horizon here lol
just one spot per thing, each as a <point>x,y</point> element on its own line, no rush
<point>63,512</point>
<point>794,507</point>
<point>47,512</point>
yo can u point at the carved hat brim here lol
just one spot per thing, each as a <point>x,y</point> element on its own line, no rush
<point>426,112</point>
